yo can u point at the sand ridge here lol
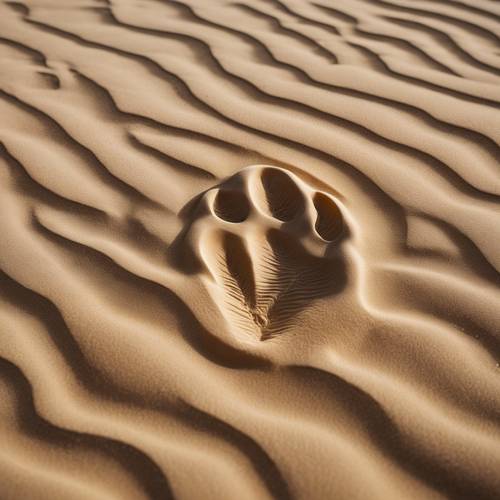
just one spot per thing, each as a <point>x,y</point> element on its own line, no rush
<point>249,249</point>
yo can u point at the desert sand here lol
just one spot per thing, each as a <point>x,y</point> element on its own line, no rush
<point>249,249</point>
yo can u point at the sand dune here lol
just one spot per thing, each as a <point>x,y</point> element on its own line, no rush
<point>249,249</point>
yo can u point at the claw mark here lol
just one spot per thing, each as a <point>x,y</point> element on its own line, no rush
<point>289,280</point>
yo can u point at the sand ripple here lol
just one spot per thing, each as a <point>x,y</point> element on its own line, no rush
<point>249,249</point>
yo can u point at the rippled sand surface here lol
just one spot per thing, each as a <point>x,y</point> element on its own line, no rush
<point>249,249</point>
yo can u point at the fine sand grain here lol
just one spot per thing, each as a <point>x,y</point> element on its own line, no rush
<point>249,249</point>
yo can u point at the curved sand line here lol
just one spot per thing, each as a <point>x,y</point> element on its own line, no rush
<point>249,249</point>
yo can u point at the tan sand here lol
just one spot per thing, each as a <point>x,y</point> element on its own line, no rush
<point>249,249</point>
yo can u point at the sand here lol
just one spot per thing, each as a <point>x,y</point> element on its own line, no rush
<point>249,249</point>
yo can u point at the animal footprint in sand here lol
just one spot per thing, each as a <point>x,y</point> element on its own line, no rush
<point>268,241</point>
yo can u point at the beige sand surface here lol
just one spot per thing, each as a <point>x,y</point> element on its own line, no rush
<point>249,249</point>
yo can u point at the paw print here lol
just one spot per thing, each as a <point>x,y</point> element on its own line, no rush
<point>266,242</point>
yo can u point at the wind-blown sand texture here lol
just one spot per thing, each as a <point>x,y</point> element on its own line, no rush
<point>249,249</point>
